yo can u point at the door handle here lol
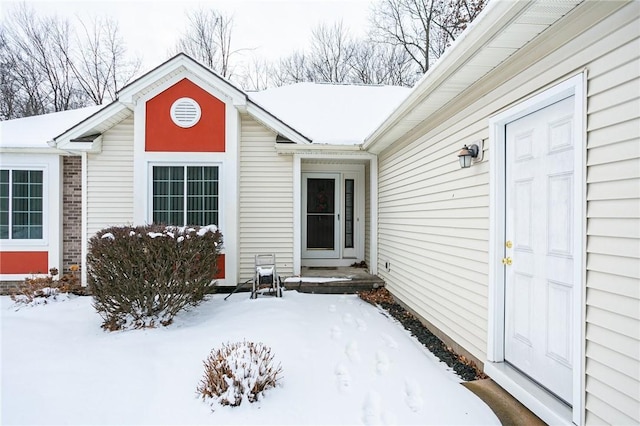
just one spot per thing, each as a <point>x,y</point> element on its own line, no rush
<point>507,261</point>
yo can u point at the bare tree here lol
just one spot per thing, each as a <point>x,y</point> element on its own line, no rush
<point>332,50</point>
<point>291,69</point>
<point>46,67</point>
<point>100,64</point>
<point>423,28</point>
<point>374,63</point>
<point>208,40</point>
<point>38,67</point>
<point>256,74</point>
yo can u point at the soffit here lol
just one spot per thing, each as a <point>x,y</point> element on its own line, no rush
<point>487,44</point>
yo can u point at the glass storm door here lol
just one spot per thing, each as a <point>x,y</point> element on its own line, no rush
<point>321,216</point>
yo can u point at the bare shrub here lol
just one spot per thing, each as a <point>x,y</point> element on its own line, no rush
<point>143,276</point>
<point>238,371</point>
<point>40,289</point>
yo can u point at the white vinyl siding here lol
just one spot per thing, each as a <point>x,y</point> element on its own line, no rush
<point>433,232</point>
<point>613,226</point>
<point>266,200</point>
<point>110,180</point>
<point>433,216</point>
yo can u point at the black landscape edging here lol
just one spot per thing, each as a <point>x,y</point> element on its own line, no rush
<point>431,342</point>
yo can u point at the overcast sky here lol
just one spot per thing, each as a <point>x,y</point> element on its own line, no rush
<point>273,28</point>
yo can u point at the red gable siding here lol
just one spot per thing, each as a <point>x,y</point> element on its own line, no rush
<point>162,134</point>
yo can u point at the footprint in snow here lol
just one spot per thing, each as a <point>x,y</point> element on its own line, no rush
<point>336,332</point>
<point>413,395</point>
<point>352,351</point>
<point>389,341</point>
<point>382,362</point>
<point>389,418</point>
<point>362,325</point>
<point>371,410</point>
<point>332,308</point>
<point>347,318</point>
<point>343,378</point>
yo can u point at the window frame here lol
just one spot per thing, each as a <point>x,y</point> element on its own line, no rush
<point>9,242</point>
<point>185,165</point>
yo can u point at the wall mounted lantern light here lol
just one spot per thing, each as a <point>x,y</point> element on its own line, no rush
<point>469,153</point>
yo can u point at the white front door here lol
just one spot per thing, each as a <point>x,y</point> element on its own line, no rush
<point>321,215</point>
<point>539,249</point>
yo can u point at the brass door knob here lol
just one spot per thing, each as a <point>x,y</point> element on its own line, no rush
<point>507,261</point>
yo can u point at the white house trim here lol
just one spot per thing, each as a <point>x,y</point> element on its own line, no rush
<point>508,377</point>
<point>51,240</point>
<point>84,221</point>
<point>346,154</point>
<point>297,214</point>
<point>177,65</point>
<point>96,123</point>
<point>270,121</point>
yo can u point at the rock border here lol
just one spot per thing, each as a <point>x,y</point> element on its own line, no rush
<point>466,369</point>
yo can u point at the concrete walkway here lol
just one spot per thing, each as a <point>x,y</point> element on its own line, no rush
<point>509,410</point>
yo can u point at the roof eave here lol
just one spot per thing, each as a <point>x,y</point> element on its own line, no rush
<point>275,124</point>
<point>65,141</point>
<point>127,94</point>
<point>289,148</point>
<point>495,18</point>
<point>32,150</point>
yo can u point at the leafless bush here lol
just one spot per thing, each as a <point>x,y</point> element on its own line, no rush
<point>39,289</point>
<point>143,276</point>
<point>238,371</point>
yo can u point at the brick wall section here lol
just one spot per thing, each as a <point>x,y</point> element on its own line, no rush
<point>71,212</point>
<point>6,287</point>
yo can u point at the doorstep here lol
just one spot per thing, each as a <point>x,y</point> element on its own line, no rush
<point>323,280</point>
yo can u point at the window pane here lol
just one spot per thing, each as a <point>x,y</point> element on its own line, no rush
<point>20,176</point>
<point>320,196</point>
<point>210,217</point>
<point>4,204</point>
<point>211,174</point>
<point>349,185</point>
<point>36,232</point>
<point>202,193</point>
<point>171,204</point>
<point>168,195</point>
<point>35,176</point>
<point>26,204</point>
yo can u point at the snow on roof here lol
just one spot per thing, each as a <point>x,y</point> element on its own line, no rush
<point>326,113</point>
<point>332,113</point>
<point>36,131</point>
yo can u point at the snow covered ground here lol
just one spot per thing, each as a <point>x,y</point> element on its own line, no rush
<point>343,362</point>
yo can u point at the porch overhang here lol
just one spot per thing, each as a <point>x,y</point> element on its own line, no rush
<point>321,150</point>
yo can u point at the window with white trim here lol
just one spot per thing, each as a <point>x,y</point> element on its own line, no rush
<point>185,195</point>
<point>21,200</point>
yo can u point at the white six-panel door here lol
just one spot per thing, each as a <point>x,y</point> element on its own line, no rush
<point>539,252</point>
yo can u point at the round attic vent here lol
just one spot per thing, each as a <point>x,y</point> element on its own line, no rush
<point>185,112</point>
